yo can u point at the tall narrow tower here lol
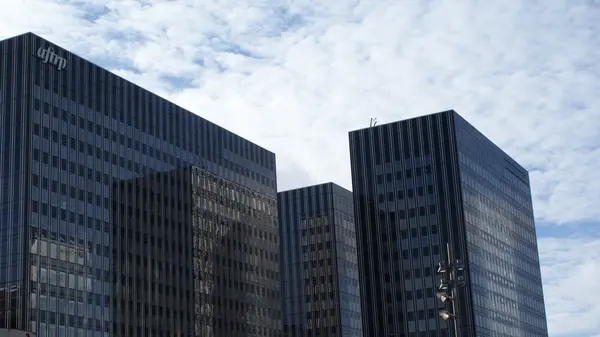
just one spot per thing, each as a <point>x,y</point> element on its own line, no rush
<point>319,266</point>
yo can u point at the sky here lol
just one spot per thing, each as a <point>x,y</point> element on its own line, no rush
<point>296,76</point>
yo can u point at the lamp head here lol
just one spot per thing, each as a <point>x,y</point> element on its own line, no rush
<point>443,296</point>
<point>445,315</point>
<point>442,267</point>
<point>444,285</point>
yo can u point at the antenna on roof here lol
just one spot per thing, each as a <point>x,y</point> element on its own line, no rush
<point>373,122</point>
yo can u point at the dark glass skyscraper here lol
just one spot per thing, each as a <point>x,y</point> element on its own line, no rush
<point>424,182</point>
<point>212,263</point>
<point>75,251</point>
<point>319,263</point>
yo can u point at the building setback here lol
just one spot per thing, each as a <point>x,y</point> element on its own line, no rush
<point>216,255</point>
<point>318,262</point>
<point>75,250</point>
<point>424,182</point>
<point>151,236</point>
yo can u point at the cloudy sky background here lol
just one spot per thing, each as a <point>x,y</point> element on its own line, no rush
<point>296,76</point>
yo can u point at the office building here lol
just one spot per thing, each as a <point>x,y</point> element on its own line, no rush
<point>422,183</point>
<point>216,254</point>
<point>76,249</point>
<point>318,262</point>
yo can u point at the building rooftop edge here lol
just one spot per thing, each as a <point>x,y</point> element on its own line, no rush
<point>403,120</point>
<point>314,185</point>
<point>30,33</point>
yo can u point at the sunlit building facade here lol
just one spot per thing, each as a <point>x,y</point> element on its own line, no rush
<point>321,295</point>
<point>422,183</point>
<point>70,132</point>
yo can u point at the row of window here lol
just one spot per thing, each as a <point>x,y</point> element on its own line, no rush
<point>43,233</point>
<point>125,141</point>
<point>520,215</point>
<point>517,190</point>
<point>246,328</point>
<point>414,233</point>
<point>408,173</point>
<point>145,286</point>
<point>69,294</point>
<point>316,294</point>
<point>313,247</point>
<point>63,284</point>
<point>412,253</point>
<point>207,227</point>
<point>139,310</point>
<point>408,193</point>
<point>310,331</point>
<point>62,214</point>
<point>408,275</point>
<point>316,230</point>
<point>73,321</point>
<point>404,214</point>
<point>318,263</point>
<point>110,97</point>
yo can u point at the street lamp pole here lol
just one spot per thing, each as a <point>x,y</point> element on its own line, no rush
<point>453,290</point>
<point>449,283</point>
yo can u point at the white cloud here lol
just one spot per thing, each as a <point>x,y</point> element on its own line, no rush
<point>570,271</point>
<point>520,72</point>
<point>523,72</point>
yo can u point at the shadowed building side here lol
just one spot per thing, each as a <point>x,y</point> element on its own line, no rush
<point>152,282</point>
<point>197,254</point>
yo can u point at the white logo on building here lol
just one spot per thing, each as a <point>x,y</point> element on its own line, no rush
<point>48,56</point>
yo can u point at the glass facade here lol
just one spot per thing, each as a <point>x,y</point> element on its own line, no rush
<point>502,248</point>
<point>236,259</point>
<point>15,242</point>
<point>69,134</point>
<point>319,262</point>
<point>411,197</point>
<point>151,262</point>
